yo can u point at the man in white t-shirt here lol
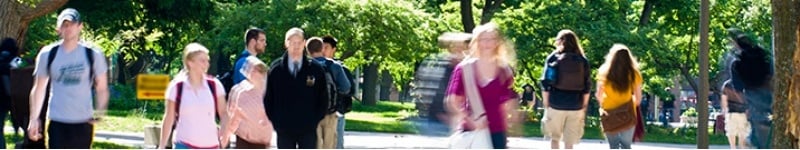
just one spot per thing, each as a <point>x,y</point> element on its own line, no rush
<point>73,70</point>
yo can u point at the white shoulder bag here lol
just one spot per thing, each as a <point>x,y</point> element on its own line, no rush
<point>477,138</point>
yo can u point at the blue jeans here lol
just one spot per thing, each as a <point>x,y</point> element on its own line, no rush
<point>3,116</point>
<point>180,145</point>
<point>621,140</point>
<point>340,132</point>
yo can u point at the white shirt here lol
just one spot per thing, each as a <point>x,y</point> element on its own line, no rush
<point>196,124</point>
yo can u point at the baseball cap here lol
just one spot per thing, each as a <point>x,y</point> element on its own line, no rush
<point>68,14</point>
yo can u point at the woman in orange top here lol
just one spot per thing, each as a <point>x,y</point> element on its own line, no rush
<point>619,84</point>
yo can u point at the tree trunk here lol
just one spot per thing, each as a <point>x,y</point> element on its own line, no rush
<point>386,85</point>
<point>646,12</point>
<point>786,82</point>
<point>15,17</point>
<point>370,83</point>
<point>466,16</point>
<point>489,8</point>
<point>702,100</point>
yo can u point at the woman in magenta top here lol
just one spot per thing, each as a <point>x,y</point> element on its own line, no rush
<point>491,59</point>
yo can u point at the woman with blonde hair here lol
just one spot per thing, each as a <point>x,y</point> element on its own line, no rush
<point>619,91</point>
<point>193,100</point>
<point>480,94</point>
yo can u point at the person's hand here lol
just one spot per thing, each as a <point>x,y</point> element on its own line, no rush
<point>34,132</point>
<point>237,113</point>
<point>223,142</point>
<point>469,124</point>
<point>603,112</point>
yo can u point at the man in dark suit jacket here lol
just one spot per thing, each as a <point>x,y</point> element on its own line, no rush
<point>296,99</point>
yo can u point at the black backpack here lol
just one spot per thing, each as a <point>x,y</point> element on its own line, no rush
<point>226,78</point>
<point>569,71</point>
<point>346,100</point>
<point>26,143</point>
<point>330,85</point>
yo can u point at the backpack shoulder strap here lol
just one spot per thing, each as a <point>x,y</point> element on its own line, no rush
<point>90,59</point>
<point>178,98</point>
<point>51,57</point>
<point>213,87</point>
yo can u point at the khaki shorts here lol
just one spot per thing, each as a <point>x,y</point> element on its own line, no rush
<point>563,125</point>
<point>736,124</point>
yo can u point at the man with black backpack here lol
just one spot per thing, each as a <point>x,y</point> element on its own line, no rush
<point>345,96</point>
<point>326,131</point>
<point>566,83</point>
<point>75,69</point>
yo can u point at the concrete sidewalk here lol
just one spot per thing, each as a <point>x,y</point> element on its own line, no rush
<point>370,140</point>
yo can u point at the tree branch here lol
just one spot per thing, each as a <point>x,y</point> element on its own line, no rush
<point>646,12</point>
<point>42,8</point>
<point>489,8</point>
<point>466,16</point>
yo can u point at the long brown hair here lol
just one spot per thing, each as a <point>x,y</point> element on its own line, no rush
<point>620,69</point>
<point>569,42</point>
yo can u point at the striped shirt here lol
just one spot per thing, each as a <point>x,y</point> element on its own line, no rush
<point>250,99</point>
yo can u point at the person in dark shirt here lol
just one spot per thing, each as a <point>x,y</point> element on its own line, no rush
<point>528,98</point>
<point>565,109</point>
<point>296,98</point>
<point>752,71</point>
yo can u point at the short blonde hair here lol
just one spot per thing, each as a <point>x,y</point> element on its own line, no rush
<point>191,51</point>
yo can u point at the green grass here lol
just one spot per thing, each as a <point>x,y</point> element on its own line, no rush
<point>11,140</point>
<point>128,121</point>
<point>655,134</point>
<point>383,117</point>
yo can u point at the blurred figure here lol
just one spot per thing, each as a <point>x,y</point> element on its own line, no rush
<point>619,92</point>
<point>8,53</point>
<point>733,107</point>
<point>752,70</point>
<point>566,83</point>
<point>250,121</point>
<point>193,99</point>
<point>432,76</point>
<point>491,60</point>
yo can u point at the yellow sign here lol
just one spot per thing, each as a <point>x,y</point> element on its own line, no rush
<point>151,86</point>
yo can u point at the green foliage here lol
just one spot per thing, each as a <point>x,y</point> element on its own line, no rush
<point>664,47</point>
<point>368,30</point>
<point>691,112</point>
<point>123,98</point>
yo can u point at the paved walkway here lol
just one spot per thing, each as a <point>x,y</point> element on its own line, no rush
<point>370,140</point>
